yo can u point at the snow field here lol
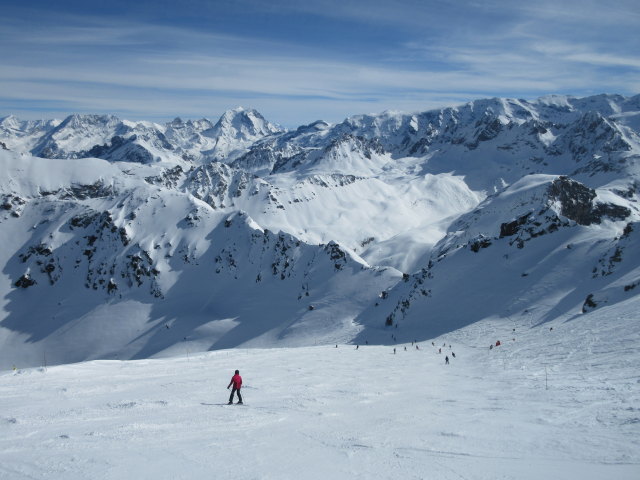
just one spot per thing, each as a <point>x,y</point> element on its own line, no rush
<point>559,403</point>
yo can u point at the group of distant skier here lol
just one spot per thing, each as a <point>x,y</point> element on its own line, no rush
<point>446,357</point>
<point>236,380</point>
<point>415,343</point>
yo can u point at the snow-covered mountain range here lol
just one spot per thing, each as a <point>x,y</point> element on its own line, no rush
<point>124,239</point>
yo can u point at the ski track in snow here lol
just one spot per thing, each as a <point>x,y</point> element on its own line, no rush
<point>560,401</point>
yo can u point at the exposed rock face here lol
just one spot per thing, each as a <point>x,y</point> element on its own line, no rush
<point>124,150</point>
<point>576,202</point>
<point>217,184</point>
<point>170,178</point>
<point>81,192</point>
<point>25,281</point>
<point>589,304</point>
<point>13,203</point>
<point>487,129</point>
<point>509,229</point>
<point>479,243</point>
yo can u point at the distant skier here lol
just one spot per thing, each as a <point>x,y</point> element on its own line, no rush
<point>236,381</point>
<point>453,354</point>
<point>446,360</point>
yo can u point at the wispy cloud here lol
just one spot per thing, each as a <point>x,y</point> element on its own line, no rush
<point>427,54</point>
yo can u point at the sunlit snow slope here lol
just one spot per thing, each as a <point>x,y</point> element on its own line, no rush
<point>553,401</point>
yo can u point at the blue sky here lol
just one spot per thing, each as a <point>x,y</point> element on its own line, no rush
<point>297,62</point>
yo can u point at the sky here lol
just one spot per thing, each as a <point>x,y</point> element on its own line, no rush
<point>297,62</point>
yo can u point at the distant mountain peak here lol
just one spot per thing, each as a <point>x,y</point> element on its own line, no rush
<point>243,124</point>
<point>10,122</point>
<point>77,120</point>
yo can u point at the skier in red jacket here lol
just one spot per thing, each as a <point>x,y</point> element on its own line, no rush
<point>236,381</point>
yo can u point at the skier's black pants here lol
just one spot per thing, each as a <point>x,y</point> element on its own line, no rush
<point>234,390</point>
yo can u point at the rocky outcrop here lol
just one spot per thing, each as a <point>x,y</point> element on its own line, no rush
<point>82,192</point>
<point>13,203</point>
<point>25,281</point>
<point>217,184</point>
<point>170,178</point>
<point>577,203</point>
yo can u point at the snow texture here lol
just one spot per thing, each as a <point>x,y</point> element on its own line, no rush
<point>555,401</point>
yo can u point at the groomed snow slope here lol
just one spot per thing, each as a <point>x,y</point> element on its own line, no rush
<point>558,402</point>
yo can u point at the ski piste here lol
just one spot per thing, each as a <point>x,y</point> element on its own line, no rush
<point>553,403</point>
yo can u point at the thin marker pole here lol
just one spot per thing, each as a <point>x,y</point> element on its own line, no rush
<point>546,379</point>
